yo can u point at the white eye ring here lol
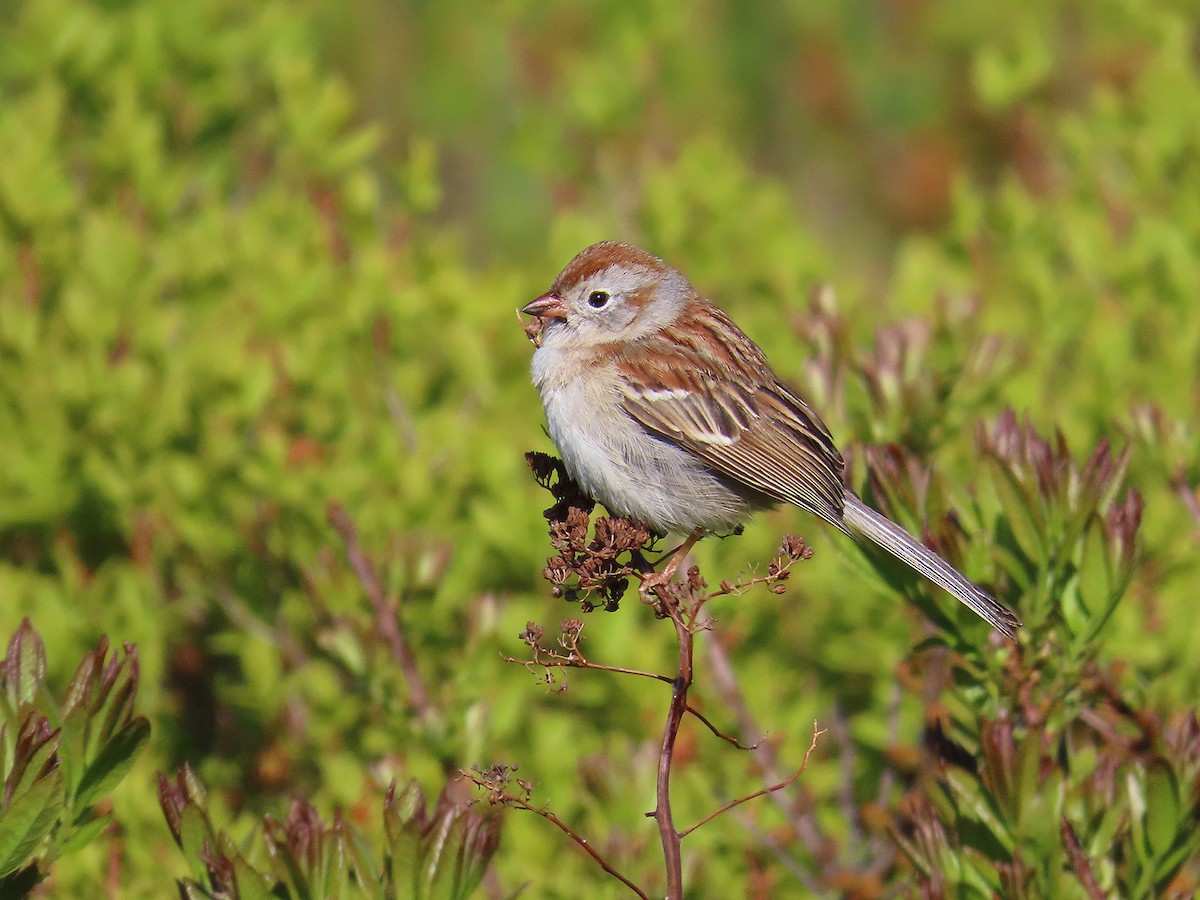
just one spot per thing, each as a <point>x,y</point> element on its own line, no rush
<point>598,299</point>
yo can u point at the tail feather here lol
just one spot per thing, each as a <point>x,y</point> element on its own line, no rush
<point>862,520</point>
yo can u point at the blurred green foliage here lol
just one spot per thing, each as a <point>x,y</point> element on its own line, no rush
<point>258,258</point>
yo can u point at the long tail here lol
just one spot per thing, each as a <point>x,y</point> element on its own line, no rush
<point>880,530</point>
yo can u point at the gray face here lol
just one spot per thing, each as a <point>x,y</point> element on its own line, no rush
<point>608,303</point>
<point>620,303</point>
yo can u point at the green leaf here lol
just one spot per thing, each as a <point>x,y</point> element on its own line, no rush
<point>29,819</point>
<point>1074,613</point>
<point>118,700</point>
<point>194,832</point>
<point>83,831</point>
<point>252,884</point>
<point>1135,789</point>
<point>972,803</point>
<point>114,760</point>
<point>24,668</point>
<point>1162,808</point>
<point>401,825</point>
<point>480,842</point>
<point>439,850</point>
<point>83,681</point>
<point>1021,510</point>
<point>34,753</point>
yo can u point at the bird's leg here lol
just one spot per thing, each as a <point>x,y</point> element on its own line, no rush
<point>654,580</point>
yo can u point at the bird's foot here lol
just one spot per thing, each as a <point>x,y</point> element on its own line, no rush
<point>655,585</point>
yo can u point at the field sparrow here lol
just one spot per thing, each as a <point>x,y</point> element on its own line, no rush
<point>665,412</point>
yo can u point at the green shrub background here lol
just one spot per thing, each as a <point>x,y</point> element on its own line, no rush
<point>255,258</point>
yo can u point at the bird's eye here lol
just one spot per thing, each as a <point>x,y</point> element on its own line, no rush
<point>598,299</point>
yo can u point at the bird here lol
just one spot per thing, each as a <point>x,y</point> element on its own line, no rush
<point>667,413</point>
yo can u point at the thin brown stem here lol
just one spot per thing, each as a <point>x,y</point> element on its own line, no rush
<point>562,662</point>
<point>1080,862</point>
<point>682,602</point>
<point>387,619</point>
<point>508,798</point>
<point>763,791</point>
<point>718,733</point>
<point>672,854</point>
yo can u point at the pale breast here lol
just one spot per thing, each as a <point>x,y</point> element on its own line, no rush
<point>631,471</point>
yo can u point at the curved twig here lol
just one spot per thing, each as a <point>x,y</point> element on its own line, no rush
<point>499,795</point>
<point>727,738</point>
<point>763,791</point>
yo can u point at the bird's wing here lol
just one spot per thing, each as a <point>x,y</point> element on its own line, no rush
<point>735,415</point>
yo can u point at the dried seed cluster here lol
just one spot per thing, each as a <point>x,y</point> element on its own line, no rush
<point>594,558</point>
